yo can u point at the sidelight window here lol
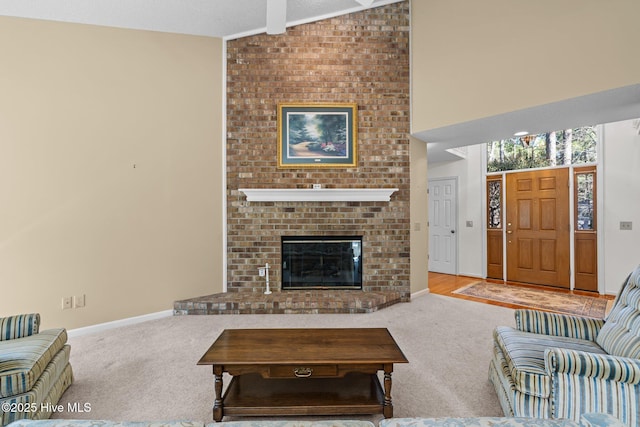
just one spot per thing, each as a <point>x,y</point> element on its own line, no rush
<point>585,199</point>
<point>494,192</point>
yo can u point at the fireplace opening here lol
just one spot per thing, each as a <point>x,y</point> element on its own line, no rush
<point>321,262</point>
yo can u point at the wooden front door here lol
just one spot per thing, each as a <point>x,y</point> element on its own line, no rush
<point>538,227</point>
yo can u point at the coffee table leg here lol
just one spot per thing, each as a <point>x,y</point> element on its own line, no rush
<point>387,409</point>
<point>217,385</point>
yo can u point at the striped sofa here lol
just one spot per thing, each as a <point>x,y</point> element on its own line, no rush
<point>34,368</point>
<point>189,423</point>
<point>587,420</point>
<point>560,366</point>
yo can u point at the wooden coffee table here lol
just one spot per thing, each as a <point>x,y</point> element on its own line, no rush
<point>303,371</point>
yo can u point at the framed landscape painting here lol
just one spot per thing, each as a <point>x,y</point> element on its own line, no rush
<point>317,135</point>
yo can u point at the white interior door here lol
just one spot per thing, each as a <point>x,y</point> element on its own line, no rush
<point>443,246</point>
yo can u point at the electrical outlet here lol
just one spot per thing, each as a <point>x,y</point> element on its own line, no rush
<point>469,223</point>
<point>67,303</point>
<point>317,186</point>
<point>626,225</point>
<point>78,301</point>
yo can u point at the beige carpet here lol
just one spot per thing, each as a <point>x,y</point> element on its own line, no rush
<point>540,299</point>
<point>148,371</point>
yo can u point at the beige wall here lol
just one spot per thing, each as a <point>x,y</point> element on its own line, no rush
<point>80,106</point>
<point>419,213</point>
<point>476,59</point>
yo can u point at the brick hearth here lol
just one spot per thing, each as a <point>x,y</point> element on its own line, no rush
<point>289,302</point>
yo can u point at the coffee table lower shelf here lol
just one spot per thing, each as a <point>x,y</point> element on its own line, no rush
<point>252,395</point>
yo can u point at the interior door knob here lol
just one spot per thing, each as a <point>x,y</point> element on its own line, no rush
<point>453,231</point>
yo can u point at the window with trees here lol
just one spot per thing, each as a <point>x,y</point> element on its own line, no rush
<point>558,148</point>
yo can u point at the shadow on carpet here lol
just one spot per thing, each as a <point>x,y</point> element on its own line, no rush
<point>539,299</point>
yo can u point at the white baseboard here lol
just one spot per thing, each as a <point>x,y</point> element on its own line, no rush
<point>473,275</point>
<point>118,323</point>
<point>420,293</point>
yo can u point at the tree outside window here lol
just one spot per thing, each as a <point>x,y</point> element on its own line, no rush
<point>557,148</point>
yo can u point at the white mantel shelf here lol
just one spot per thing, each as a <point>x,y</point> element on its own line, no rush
<point>318,195</point>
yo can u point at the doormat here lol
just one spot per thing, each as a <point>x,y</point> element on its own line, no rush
<point>539,299</point>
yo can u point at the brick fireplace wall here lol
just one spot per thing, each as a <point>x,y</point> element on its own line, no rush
<point>362,57</point>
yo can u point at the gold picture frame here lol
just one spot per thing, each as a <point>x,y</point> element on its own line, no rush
<point>317,135</point>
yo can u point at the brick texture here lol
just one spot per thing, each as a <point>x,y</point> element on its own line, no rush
<point>362,57</point>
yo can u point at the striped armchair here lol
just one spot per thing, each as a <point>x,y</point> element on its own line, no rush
<point>559,366</point>
<point>34,368</point>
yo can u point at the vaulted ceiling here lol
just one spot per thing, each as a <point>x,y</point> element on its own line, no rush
<point>213,18</point>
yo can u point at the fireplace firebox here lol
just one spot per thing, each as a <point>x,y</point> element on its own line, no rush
<point>321,262</point>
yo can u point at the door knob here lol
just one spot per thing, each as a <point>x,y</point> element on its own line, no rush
<point>453,231</point>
